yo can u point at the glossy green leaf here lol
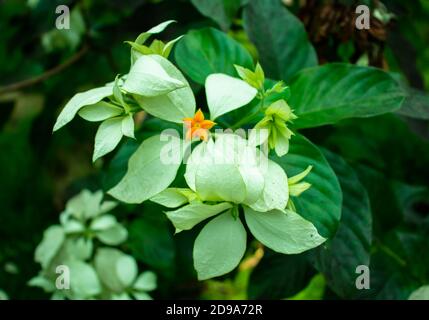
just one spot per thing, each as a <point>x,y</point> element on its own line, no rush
<point>221,11</point>
<point>80,100</point>
<point>278,276</point>
<point>350,247</point>
<point>206,51</point>
<point>148,172</point>
<point>416,104</point>
<point>151,240</point>
<point>219,247</point>
<point>175,105</point>
<point>332,92</point>
<point>225,93</point>
<point>280,37</point>
<point>283,231</point>
<point>321,204</point>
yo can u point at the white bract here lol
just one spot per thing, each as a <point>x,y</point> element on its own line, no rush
<point>226,169</point>
<point>69,246</point>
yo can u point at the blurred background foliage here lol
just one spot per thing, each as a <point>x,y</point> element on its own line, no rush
<point>42,67</point>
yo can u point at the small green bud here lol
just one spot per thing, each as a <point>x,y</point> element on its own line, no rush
<point>253,78</point>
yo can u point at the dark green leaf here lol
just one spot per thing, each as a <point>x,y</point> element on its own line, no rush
<point>206,51</point>
<point>330,93</point>
<point>416,105</point>
<point>278,276</point>
<point>321,204</point>
<point>150,239</point>
<point>221,11</point>
<point>338,258</point>
<point>280,37</point>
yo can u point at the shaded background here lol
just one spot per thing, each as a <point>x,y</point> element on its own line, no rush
<point>42,67</point>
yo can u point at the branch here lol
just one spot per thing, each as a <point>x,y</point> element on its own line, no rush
<point>46,75</point>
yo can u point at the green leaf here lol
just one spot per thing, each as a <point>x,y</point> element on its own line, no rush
<point>175,105</point>
<point>80,100</point>
<point>188,216</point>
<point>321,204</point>
<point>281,40</point>
<point>219,247</point>
<point>350,247</point>
<point>53,239</point>
<point>146,281</point>
<point>84,282</point>
<point>225,93</point>
<point>421,293</point>
<point>151,240</point>
<point>283,231</point>
<point>206,51</point>
<point>327,94</point>
<point>221,11</point>
<point>108,136</point>
<point>278,276</point>
<point>148,174</point>
<point>416,104</point>
<point>148,78</point>
<point>100,111</point>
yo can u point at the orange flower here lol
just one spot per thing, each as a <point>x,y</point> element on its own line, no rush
<point>197,126</point>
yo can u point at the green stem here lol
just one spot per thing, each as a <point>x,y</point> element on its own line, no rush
<point>251,116</point>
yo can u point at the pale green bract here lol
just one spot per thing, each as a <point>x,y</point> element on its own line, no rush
<point>225,93</point>
<point>66,252</point>
<point>174,197</point>
<point>119,273</point>
<point>226,169</point>
<point>80,100</point>
<point>421,293</point>
<point>275,194</point>
<point>148,78</point>
<point>141,39</point>
<point>151,169</point>
<point>175,105</point>
<point>219,247</point>
<point>283,231</point>
<point>190,215</point>
<point>100,111</point>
